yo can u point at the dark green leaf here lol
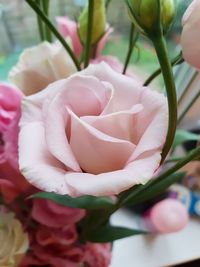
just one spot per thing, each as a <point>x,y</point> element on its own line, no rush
<point>84,202</point>
<point>183,136</point>
<point>111,233</point>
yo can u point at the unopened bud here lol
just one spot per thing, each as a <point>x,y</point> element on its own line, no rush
<point>99,22</point>
<point>149,15</point>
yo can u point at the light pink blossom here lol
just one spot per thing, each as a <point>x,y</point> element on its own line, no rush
<point>68,28</point>
<point>95,133</point>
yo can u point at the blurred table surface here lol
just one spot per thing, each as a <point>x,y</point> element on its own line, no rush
<point>177,249</point>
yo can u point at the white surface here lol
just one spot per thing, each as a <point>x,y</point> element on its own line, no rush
<point>155,250</point>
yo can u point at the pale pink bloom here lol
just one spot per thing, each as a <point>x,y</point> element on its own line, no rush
<point>68,29</point>
<point>41,65</point>
<point>53,215</point>
<point>190,37</point>
<point>95,133</point>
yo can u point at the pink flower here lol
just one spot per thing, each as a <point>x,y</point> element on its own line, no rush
<point>11,180</point>
<point>68,28</point>
<point>54,215</point>
<point>10,101</point>
<point>190,37</point>
<point>98,255</point>
<point>96,133</point>
<point>61,248</point>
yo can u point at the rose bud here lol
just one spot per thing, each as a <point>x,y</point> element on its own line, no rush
<point>145,14</point>
<point>99,22</point>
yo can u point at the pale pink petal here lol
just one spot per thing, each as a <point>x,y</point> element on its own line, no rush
<point>32,105</point>
<point>126,91</point>
<point>104,153</point>
<point>57,120</point>
<point>151,133</point>
<point>68,28</point>
<point>40,168</point>
<point>119,125</point>
<point>111,183</point>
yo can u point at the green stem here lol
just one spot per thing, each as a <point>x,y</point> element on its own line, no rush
<point>45,6</point>
<point>54,31</point>
<point>87,53</point>
<point>131,197</point>
<point>194,99</point>
<point>40,24</point>
<point>165,65</point>
<point>177,60</point>
<point>132,40</point>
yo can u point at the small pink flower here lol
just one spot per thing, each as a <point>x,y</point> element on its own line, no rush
<point>190,37</point>
<point>10,102</point>
<point>96,133</point>
<point>51,214</point>
<point>68,28</point>
<point>98,255</point>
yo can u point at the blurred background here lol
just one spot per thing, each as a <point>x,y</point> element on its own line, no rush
<point>18,29</point>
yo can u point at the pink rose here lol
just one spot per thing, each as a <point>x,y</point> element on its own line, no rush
<point>95,133</point>
<point>68,28</point>
<point>10,102</point>
<point>11,180</point>
<point>98,255</point>
<point>53,215</point>
<point>190,37</point>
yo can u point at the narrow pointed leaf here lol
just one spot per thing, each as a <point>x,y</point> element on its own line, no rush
<point>84,202</point>
<point>111,233</point>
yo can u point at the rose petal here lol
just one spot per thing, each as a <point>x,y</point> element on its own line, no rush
<point>126,91</point>
<point>40,167</point>
<point>95,151</point>
<point>151,133</point>
<point>111,183</point>
<point>119,125</point>
<point>57,121</point>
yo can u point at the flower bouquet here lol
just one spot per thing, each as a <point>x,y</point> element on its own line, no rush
<point>82,136</point>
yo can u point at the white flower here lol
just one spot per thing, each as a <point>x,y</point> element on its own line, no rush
<point>41,65</point>
<point>13,240</point>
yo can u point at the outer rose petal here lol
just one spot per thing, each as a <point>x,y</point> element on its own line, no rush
<point>40,162</point>
<point>190,37</point>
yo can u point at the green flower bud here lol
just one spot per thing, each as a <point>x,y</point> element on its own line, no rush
<point>99,22</point>
<point>150,15</point>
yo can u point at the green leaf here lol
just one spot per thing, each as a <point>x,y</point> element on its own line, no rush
<point>109,233</point>
<point>152,189</point>
<point>183,136</point>
<point>84,202</point>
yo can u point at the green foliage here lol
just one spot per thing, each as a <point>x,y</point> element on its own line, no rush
<point>109,233</point>
<point>84,202</point>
